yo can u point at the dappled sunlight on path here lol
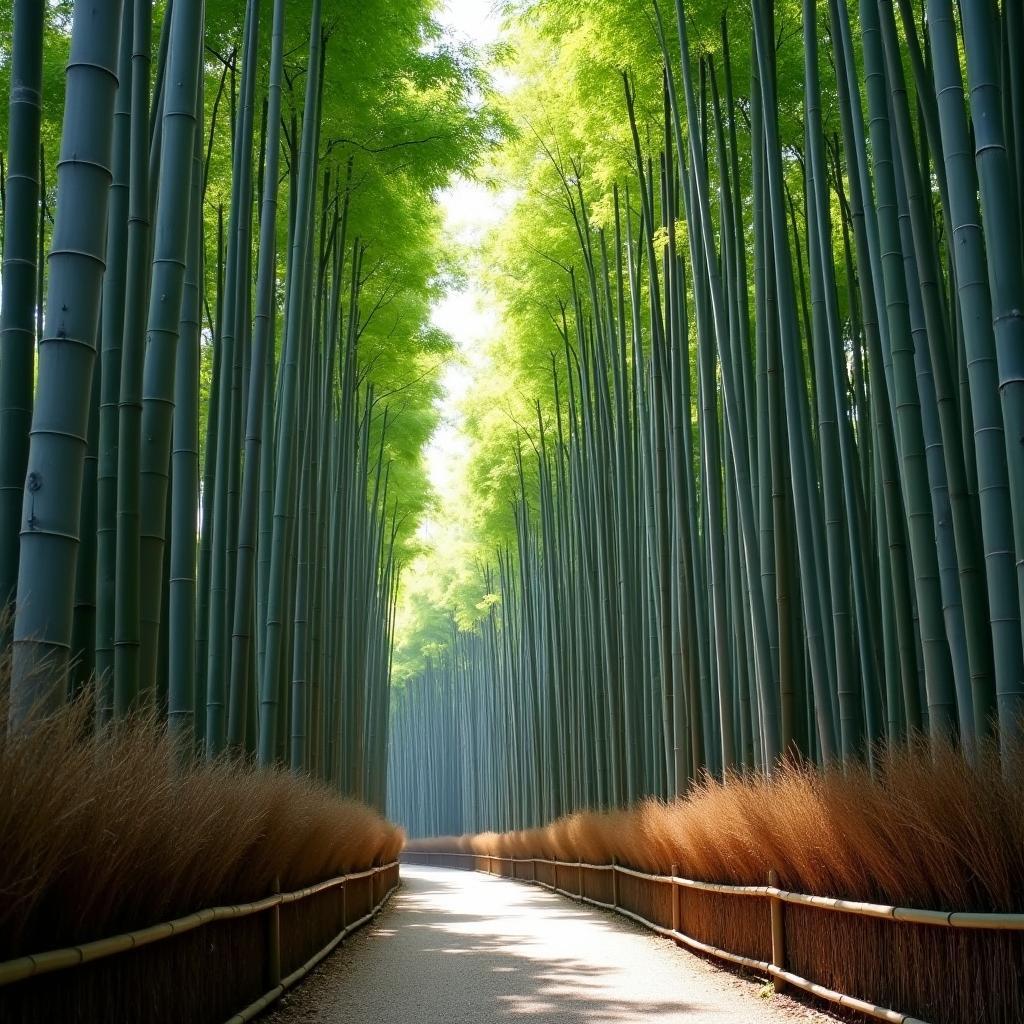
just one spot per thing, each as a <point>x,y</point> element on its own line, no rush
<point>465,948</point>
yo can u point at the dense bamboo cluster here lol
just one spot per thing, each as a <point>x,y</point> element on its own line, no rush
<point>196,511</point>
<point>779,511</point>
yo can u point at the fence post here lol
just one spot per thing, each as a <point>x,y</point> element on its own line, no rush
<point>674,890</point>
<point>579,877</point>
<point>274,941</point>
<point>778,932</point>
<point>533,869</point>
<point>615,883</point>
<point>344,904</point>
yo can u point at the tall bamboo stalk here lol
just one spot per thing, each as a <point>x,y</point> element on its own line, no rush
<point>67,353</point>
<point>22,220</point>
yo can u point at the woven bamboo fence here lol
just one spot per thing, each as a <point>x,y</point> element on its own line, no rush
<point>198,968</point>
<point>939,967</point>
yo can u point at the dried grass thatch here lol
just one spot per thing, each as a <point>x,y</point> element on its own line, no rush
<point>926,830</point>
<point>102,834</point>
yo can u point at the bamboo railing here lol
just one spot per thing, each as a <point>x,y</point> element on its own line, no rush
<point>775,897</point>
<point>381,881</point>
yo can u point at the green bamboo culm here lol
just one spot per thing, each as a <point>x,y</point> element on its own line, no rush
<point>241,677</point>
<point>67,354</point>
<point>112,327</point>
<point>168,282</point>
<point>232,334</point>
<point>272,684</point>
<point>19,288</point>
<point>127,572</point>
<point>1003,240</point>
<point>180,613</point>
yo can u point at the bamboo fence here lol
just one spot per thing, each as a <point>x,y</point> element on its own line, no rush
<point>337,906</point>
<point>579,881</point>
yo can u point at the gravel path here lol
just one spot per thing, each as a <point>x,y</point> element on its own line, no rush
<point>459,947</point>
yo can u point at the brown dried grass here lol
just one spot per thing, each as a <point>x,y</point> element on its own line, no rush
<point>107,833</point>
<point>926,830</point>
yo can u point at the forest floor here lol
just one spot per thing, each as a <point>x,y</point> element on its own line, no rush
<point>459,947</point>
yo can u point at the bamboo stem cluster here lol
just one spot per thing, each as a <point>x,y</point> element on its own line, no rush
<point>778,510</point>
<point>245,586</point>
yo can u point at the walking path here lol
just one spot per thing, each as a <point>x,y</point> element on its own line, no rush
<point>457,947</point>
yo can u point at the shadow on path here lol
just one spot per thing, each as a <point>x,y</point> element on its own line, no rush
<point>458,947</point>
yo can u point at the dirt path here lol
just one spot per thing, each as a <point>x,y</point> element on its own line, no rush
<point>458,947</point>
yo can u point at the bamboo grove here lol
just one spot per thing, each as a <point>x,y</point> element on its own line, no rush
<point>202,506</point>
<point>776,506</point>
